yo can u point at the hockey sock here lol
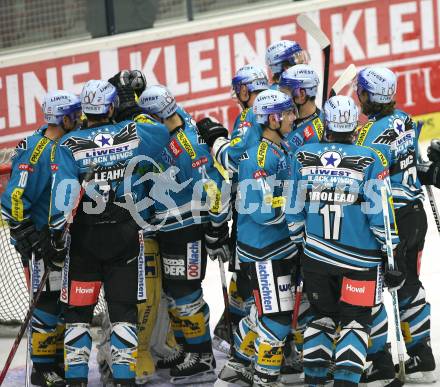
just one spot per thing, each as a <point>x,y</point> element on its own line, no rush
<point>351,352</point>
<point>379,330</point>
<point>304,317</point>
<point>272,333</point>
<point>244,339</point>
<point>415,318</point>
<point>44,339</point>
<point>318,349</point>
<point>193,313</point>
<point>60,331</point>
<point>77,346</point>
<point>239,302</point>
<point>123,341</point>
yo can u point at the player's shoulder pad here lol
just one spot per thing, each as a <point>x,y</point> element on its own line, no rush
<point>144,118</point>
<point>265,156</point>
<point>35,145</point>
<point>363,131</point>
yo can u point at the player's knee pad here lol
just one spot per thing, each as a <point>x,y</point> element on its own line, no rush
<point>245,336</point>
<point>124,342</point>
<point>318,349</point>
<point>378,331</point>
<point>415,318</point>
<point>77,347</point>
<point>121,312</point>
<point>351,352</point>
<point>44,337</point>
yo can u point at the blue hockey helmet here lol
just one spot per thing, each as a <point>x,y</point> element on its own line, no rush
<point>253,77</point>
<point>301,76</point>
<point>60,103</point>
<point>270,102</point>
<point>379,82</point>
<point>285,51</point>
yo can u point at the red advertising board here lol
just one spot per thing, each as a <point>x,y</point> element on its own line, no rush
<point>198,67</point>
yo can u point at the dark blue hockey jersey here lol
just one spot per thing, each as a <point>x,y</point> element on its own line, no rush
<point>335,201</point>
<point>194,191</point>
<point>105,151</point>
<point>395,140</point>
<point>27,195</point>
<point>262,227</point>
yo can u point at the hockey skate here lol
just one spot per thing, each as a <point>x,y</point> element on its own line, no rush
<point>235,373</point>
<point>176,357</point>
<point>420,366</point>
<point>47,378</point>
<point>380,372</point>
<point>266,380</point>
<point>196,368</point>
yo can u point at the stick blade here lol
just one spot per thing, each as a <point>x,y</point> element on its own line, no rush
<point>310,26</point>
<point>345,79</point>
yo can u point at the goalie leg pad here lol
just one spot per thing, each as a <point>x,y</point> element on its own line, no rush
<point>77,347</point>
<point>123,342</point>
<point>379,330</point>
<point>44,338</point>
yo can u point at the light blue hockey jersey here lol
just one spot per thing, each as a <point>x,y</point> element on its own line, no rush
<point>308,130</point>
<point>395,139</point>
<point>335,204</point>
<point>194,191</point>
<point>108,153</point>
<point>27,195</point>
<point>262,227</point>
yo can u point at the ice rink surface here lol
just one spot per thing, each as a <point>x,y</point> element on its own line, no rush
<point>430,277</point>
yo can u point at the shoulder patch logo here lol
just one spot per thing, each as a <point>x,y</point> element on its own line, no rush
<point>319,127</point>
<point>362,134</point>
<point>38,150</point>
<point>183,139</point>
<point>261,154</point>
<point>243,114</point>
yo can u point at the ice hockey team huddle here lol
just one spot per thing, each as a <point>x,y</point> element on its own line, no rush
<point>121,192</point>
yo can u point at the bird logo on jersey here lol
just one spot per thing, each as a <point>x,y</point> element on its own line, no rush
<point>333,159</point>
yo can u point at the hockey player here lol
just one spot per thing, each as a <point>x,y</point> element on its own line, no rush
<point>268,261</point>
<point>25,205</point>
<point>248,82</point>
<point>194,231</point>
<point>334,207</point>
<point>98,255</point>
<point>282,55</point>
<point>394,137</point>
<point>429,172</point>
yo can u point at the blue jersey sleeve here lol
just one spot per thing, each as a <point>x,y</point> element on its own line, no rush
<point>29,178</point>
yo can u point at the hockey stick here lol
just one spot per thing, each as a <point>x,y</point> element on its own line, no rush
<point>36,297</point>
<point>298,297</point>
<point>310,27</point>
<point>226,302</point>
<point>29,326</point>
<point>390,256</point>
<point>345,79</point>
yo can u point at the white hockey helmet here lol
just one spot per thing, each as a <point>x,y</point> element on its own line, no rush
<point>285,51</point>
<point>301,76</point>
<point>158,100</point>
<point>270,102</point>
<point>97,96</point>
<point>341,114</point>
<point>253,77</point>
<point>59,103</point>
<point>379,82</point>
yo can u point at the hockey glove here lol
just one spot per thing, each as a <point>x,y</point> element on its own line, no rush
<point>128,107</point>
<point>26,240</point>
<point>434,150</point>
<point>394,279</point>
<point>54,249</point>
<point>217,242</point>
<point>211,131</point>
<point>429,173</point>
